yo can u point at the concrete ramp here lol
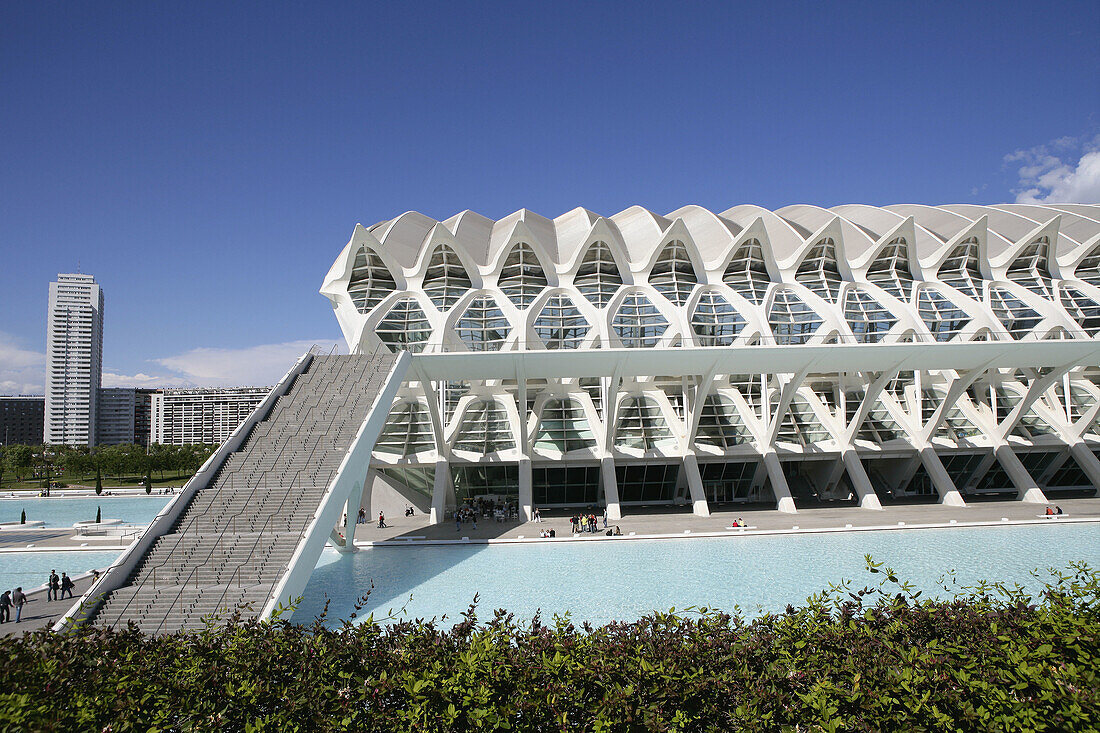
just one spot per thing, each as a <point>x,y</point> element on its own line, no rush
<point>249,539</point>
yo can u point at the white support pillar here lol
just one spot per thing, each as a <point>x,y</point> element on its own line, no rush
<point>868,499</point>
<point>1026,489</point>
<point>783,498</point>
<point>525,489</point>
<point>351,513</point>
<point>695,485</point>
<point>945,487</point>
<point>610,489</point>
<point>1087,461</point>
<point>442,490</point>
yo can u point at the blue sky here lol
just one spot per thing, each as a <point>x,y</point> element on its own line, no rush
<point>207,163</point>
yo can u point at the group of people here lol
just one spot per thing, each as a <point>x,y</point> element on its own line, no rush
<point>1053,512</point>
<point>586,522</point>
<point>58,587</point>
<point>739,522</point>
<point>465,514</point>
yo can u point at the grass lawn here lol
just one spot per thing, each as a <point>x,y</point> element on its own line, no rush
<point>169,479</point>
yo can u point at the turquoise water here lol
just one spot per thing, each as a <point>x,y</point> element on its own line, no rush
<point>623,580</point>
<point>64,512</point>
<point>32,569</point>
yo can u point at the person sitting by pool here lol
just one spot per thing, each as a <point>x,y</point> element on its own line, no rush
<point>735,523</point>
<point>618,532</point>
<point>1050,512</point>
<point>1059,510</point>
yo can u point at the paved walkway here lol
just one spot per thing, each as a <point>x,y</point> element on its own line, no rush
<point>669,521</point>
<point>39,612</point>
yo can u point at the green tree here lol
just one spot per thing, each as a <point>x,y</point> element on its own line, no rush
<point>20,460</point>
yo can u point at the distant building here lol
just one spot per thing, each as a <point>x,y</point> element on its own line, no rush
<point>180,416</point>
<point>115,424</point>
<point>143,408</point>
<point>21,419</point>
<point>74,359</point>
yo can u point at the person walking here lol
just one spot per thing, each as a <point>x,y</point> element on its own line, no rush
<point>66,585</point>
<point>18,598</point>
<point>381,520</point>
<point>5,607</point>
<point>53,586</point>
<point>362,519</point>
<point>605,517</point>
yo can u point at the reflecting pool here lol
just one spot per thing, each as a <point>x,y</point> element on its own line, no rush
<point>601,581</point>
<point>32,569</point>
<point>64,511</point>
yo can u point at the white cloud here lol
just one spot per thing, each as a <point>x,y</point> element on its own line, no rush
<point>111,379</point>
<point>21,371</point>
<point>1047,178</point>
<point>253,365</point>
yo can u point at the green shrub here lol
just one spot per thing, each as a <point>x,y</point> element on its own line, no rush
<point>991,658</point>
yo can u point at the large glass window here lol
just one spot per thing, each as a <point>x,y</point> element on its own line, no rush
<point>715,321</point>
<point>485,428</point>
<point>791,320</point>
<point>720,424</point>
<point>370,281</point>
<point>961,270</point>
<point>1017,318</point>
<point>522,278</point>
<point>563,427</point>
<point>800,424</point>
<point>673,275</point>
<point>648,482</point>
<point>747,273</point>
<point>868,319</point>
<point>446,279</point>
<point>944,319</point>
<point>641,424</point>
<point>1030,267</point>
<point>408,431</point>
<point>598,277</point>
<point>497,480</point>
<point>890,270</point>
<point>1081,308</point>
<point>1089,268</point>
<point>565,485</point>
<point>725,482</point>
<point>482,326</point>
<point>405,327</point>
<point>819,271</point>
<point>560,324</point>
<point>638,323</point>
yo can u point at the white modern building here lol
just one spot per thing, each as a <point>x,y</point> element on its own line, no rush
<point>670,388</point>
<point>74,356</point>
<point>182,416</point>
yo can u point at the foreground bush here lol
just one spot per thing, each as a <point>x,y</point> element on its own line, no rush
<point>990,659</point>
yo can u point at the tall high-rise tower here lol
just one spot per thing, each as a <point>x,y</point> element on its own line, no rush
<point>74,359</point>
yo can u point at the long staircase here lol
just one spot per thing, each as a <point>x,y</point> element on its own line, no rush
<point>234,542</point>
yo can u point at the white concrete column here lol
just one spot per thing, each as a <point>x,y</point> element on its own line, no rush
<point>868,499</point>
<point>1087,460</point>
<point>945,487</point>
<point>784,500</point>
<point>525,489</point>
<point>1026,489</point>
<point>442,489</point>
<point>695,485</point>
<point>351,511</point>
<point>610,489</point>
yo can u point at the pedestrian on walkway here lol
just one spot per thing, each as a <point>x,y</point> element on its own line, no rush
<point>362,519</point>
<point>18,598</point>
<point>66,585</point>
<point>381,520</point>
<point>53,586</point>
<point>5,607</point>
